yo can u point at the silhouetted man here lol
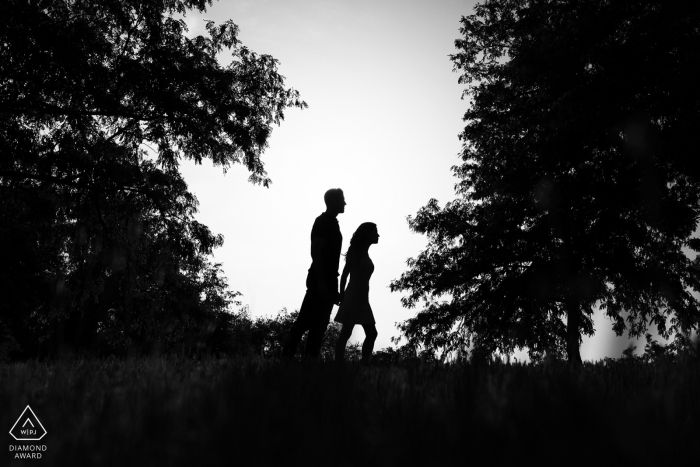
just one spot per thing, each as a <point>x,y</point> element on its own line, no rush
<point>322,280</point>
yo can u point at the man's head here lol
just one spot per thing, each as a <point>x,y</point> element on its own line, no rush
<point>335,201</point>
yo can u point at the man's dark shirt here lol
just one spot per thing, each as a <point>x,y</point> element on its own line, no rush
<point>326,227</point>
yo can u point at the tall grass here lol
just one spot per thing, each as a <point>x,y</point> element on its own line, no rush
<point>254,411</point>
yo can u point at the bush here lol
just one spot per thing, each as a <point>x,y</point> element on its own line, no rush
<point>239,334</point>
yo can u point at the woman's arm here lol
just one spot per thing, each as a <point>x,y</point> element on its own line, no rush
<point>344,278</point>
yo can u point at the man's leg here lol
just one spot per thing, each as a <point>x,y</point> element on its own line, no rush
<point>301,324</point>
<point>321,317</point>
<point>314,341</point>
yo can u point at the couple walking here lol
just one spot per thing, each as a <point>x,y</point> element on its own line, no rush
<point>322,284</point>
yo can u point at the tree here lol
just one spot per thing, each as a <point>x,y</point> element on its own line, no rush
<point>99,239</point>
<point>577,185</point>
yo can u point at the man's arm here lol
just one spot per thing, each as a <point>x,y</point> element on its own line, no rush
<point>317,266</point>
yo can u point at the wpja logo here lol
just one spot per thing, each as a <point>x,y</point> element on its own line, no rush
<point>28,428</point>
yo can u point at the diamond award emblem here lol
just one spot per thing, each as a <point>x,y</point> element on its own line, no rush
<point>28,427</point>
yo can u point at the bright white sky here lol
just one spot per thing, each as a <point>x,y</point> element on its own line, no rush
<point>382,124</point>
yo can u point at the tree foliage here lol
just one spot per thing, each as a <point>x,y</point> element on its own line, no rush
<point>577,185</point>
<point>100,241</point>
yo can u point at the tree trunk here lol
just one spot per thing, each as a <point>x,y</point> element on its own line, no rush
<point>572,335</point>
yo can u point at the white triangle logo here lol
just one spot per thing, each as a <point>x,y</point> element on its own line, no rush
<point>28,427</point>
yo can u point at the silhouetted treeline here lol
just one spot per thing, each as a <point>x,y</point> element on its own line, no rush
<point>219,334</point>
<point>242,335</point>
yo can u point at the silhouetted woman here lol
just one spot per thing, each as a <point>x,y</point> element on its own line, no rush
<point>354,301</point>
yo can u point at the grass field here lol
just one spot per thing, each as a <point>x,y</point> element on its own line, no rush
<point>254,411</point>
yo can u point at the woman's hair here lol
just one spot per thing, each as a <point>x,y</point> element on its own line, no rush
<point>360,238</point>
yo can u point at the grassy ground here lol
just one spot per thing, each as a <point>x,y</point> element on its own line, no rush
<point>248,411</point>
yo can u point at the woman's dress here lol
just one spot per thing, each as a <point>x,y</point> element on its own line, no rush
<point>355,309</point>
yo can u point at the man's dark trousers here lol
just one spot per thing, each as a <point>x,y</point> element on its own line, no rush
<point>314,316</point>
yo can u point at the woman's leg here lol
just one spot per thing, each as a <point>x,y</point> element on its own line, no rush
<point>368,344</point>
<point>345,333</point>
